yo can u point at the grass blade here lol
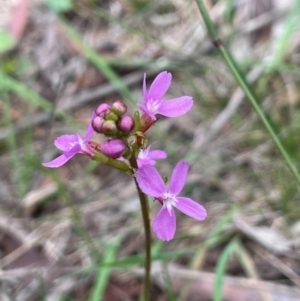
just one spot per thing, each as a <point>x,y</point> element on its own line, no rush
<point>221,269</point>
<point>234,69</point>
<point>104,272</point>
<point>283,41</point>
<point>98,61</point>
<point>10,84</point>
<point>15,159</point>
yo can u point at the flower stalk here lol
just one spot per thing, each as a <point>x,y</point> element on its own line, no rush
<point>146,221</point>
<point>147,230</point>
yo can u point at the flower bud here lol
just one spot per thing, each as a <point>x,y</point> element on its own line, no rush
<point>109,115</point>
<point>113,148</point>
<point>126,124</point>
<point>109,127</point>
<point>97,124</point>
<point>102,109</point>
<point>119,108</point>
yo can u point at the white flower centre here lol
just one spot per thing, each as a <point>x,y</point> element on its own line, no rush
<point>153,105</point>
<point>169,202</point>
<point>142,154</point>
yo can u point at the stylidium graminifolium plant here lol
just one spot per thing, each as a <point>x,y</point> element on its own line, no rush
<point>126,149</point>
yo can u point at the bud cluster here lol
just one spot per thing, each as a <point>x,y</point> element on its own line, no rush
<point>115,125</point>
<point>112,121</point>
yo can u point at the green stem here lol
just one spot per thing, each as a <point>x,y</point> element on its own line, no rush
<point>99,157</point>
<point>146,220</point>
<point>245,86</point>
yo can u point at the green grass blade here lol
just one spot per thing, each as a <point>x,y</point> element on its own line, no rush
<point>10,84</point>
<point>104,272</point>
<point>135,259</point>
<point>250,269</point>
<point>234,69</point>
<point>15,159</point>
<point>7,41</point>
<point>169,287</point>
<point>246,261</point>
<point>98,61</point>
<point>221,269</point>
<point>217,232</point>
<point>215,237</point>
<point>283,41</point>
<point>13,85</point>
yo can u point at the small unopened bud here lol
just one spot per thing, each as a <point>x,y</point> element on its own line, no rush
<point>109,127</point>
<point>119,108</point>
<point>102,109</point>
<point>113,148</point>
<point>109,115</point>
<point>126,124</point>
<point>97,124</point>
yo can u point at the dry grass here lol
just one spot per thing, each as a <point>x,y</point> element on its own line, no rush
<point>56,226</point>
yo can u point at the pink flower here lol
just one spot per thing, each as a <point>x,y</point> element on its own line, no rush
<point>154,102</point>
<point>71,145</point>
<point>151,183</point>
<point>147,157</point>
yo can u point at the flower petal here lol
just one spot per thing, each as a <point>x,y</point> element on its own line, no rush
<point>57,162</point>
<point>143,154</point>
<point>160,86</point>
<point>146,111</point>
<point>178,178</point>
<point>191,208</point>
<point>157,154</point>
<point>150,181</point>
<point>66,142</point>
<point>164,224</point>
<point>73,151</point>
<point>176,107</point>
<point>141,162</point>
<point>144,87</point>
<point>90,130</point>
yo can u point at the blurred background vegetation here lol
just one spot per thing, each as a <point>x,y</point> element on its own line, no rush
<point>75,233</point>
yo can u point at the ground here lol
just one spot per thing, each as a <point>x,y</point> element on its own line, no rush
<point>76,232</point>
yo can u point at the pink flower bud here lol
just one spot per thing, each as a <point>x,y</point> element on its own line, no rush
<point>113,148</point>
<point>126,124</point>
<point>109,127</point>
<point>97,124</point>
<point>102,109</point>
<point>119,108</point>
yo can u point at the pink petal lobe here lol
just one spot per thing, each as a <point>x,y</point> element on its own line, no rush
<point>150,181</point>
<point>164,224</point>
<point>160,85</point>
<point>57,162</point>
<point>157,154</point>
<point>90,130</point>
<point>176,107</point>
<point>178,178</point>
<point>146,111</point>
<point>66,142</point>
<point>142,162</point>
<point>143,154</point>
<point>144,87</point>
<point>191,208</point>
<point>73,151</point>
